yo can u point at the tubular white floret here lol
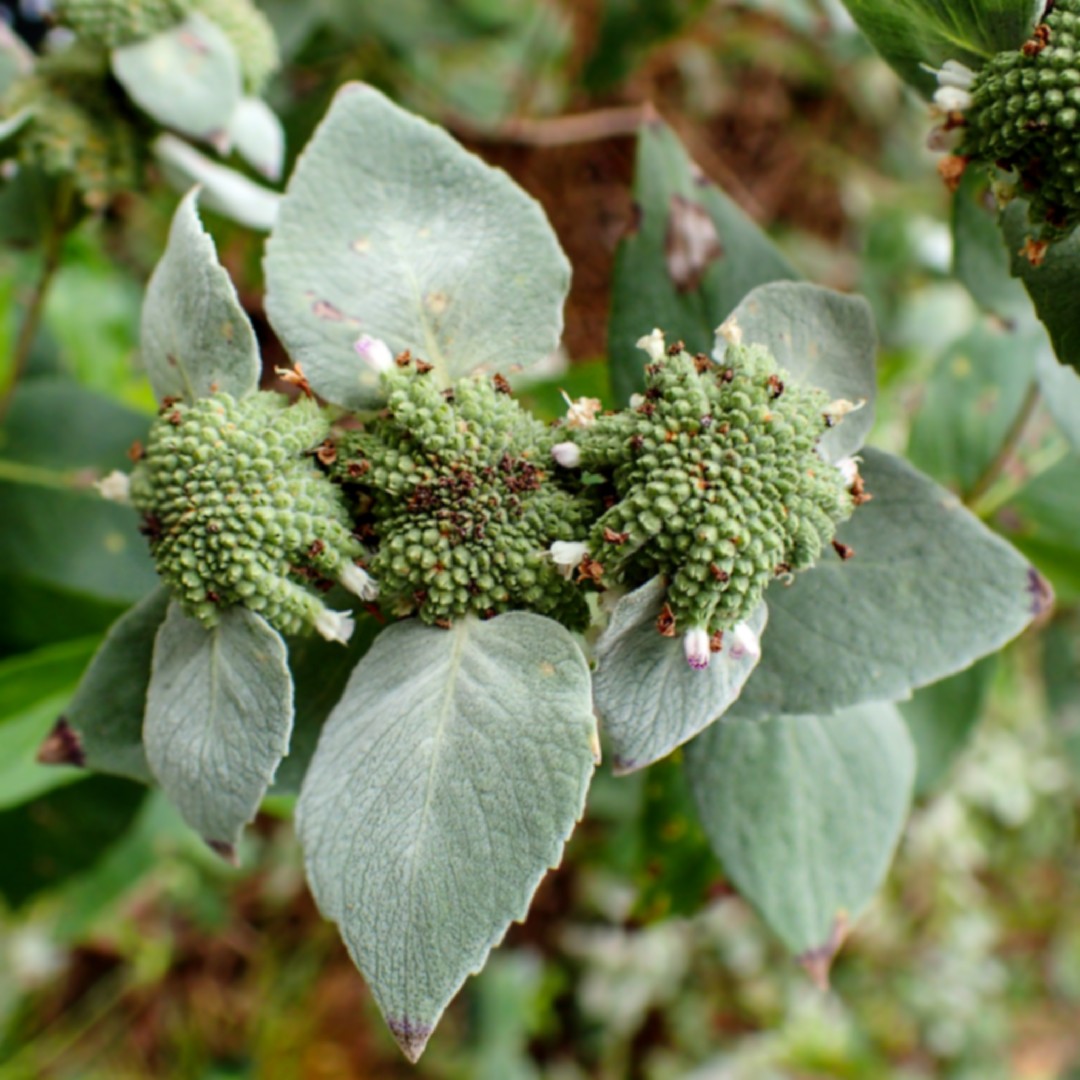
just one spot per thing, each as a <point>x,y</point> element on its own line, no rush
<point>849,470</point>
<point>952,99</point>
<point>730,331</point>
<point>953,73</point>
<point>374,352</point>
<point>654,345</point>
<point>567,555</point>
<point>359,581</point>
<point>335,625</point>
<point>744,641</point>
<point>567,454</point>
<point>696,647</point>
<point>116,487</point>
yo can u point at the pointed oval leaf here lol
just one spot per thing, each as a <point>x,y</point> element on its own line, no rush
<point>930,589</point>
<point>915,34</point>
<point>1060,388</point>
<point>196,337</point>
<point>821,338</point>
<point>222,189</point>
<point>256,134</point>
<point>691,257</point>
<point>186,78</point>
<point>648,697</point>
<point>106,713</point>
<point>219,713</point>
<point>445,784</point>
<point>390,228</point>
<point>805,813</point>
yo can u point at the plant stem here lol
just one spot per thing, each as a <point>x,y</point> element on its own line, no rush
<point>1007,451</point>
<point>50,263</point>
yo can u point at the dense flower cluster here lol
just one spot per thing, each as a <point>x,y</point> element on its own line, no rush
<point>720,484</point>
<point>112,23</point>
<point>238,511</point>
<point>457,489</point>
<point>1021,112</point>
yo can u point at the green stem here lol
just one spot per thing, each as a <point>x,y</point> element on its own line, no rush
<point>976,496</point>
<point>15,472</point>
<point>50,263</point>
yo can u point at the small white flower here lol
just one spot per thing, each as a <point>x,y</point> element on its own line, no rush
<point>335,625</point>
<point>696,647</point>
<point>654,345</point>
<point>849,470</point>
<point>581,413</point>
<point>637,400</point>
<point>730,331</point>
<point>744,642</point>
<point>374,352</point>
<point>838,409</point>
<point>357,580</point>
<point>952,99</point>
<point>567,555</point>
<point>953,73</point>
<point>116,487</point>
<point>567,454</point>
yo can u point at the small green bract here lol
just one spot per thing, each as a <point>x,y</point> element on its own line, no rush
<point>238,511</point>
<point>720,484</point>
<point>457,488</point>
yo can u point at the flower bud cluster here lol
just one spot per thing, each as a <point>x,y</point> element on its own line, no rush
<point>1024,115</point>
<point>457,488</point>
<point>719,484</point>
<point>238,511</point>
<point>112,23</point>
<point>81,127</point>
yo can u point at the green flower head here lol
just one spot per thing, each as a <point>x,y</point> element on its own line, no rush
<point>457,489</point>
<point>238,511</point>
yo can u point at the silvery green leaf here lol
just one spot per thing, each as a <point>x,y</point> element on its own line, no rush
<point>222,189</point>
<point>445,784</point>
<point>196,337</point>
<point>186,78</point>
<point>821,338</point>
<point>805,813</point>
<point>256,134</point>
<point>219,711</point>
<point>390,228</point>
<point>106,714</point>
<point>930,589</point>
<point>647,696</point>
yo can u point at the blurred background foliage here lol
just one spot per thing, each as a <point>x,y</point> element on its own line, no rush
<point>128,950</point>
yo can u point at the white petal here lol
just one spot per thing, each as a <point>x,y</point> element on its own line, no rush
<point>744,642</point>
<point>116,487</point>
<point>953,73</point>
<point>567,454</point>
<point>582,412</point>
<point>849,470</point>
<point>696,647</point>
<point>731,331</point>
<point>359,581</point>
<point>637,400</point>
<point>335,625</point>
<point>374,352</point>
<point>952,99</point>
<point>567,555</point>
<point>653,344</point>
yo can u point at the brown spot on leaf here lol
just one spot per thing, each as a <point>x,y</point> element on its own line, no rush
<point>1040,591</point>
<point>323,309</point>
<point>437,302</point>
<point>412,1037</point>
<point>226,851</point>
<point>818,962</point>
<point>691,243</point>
<point>62,746</point>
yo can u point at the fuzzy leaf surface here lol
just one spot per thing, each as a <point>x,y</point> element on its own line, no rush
<point>106,713</point>
<point>691,256</point>
<point>930,589</point>
<point>195,335</point>
<point>648,697</point>
<point>445,784</point>
<point>186,78</point>
<point>219,712</point>
<point>390,228</point>
<point>805,812</point>
<point>821,338</point>
<point>911,33</point>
